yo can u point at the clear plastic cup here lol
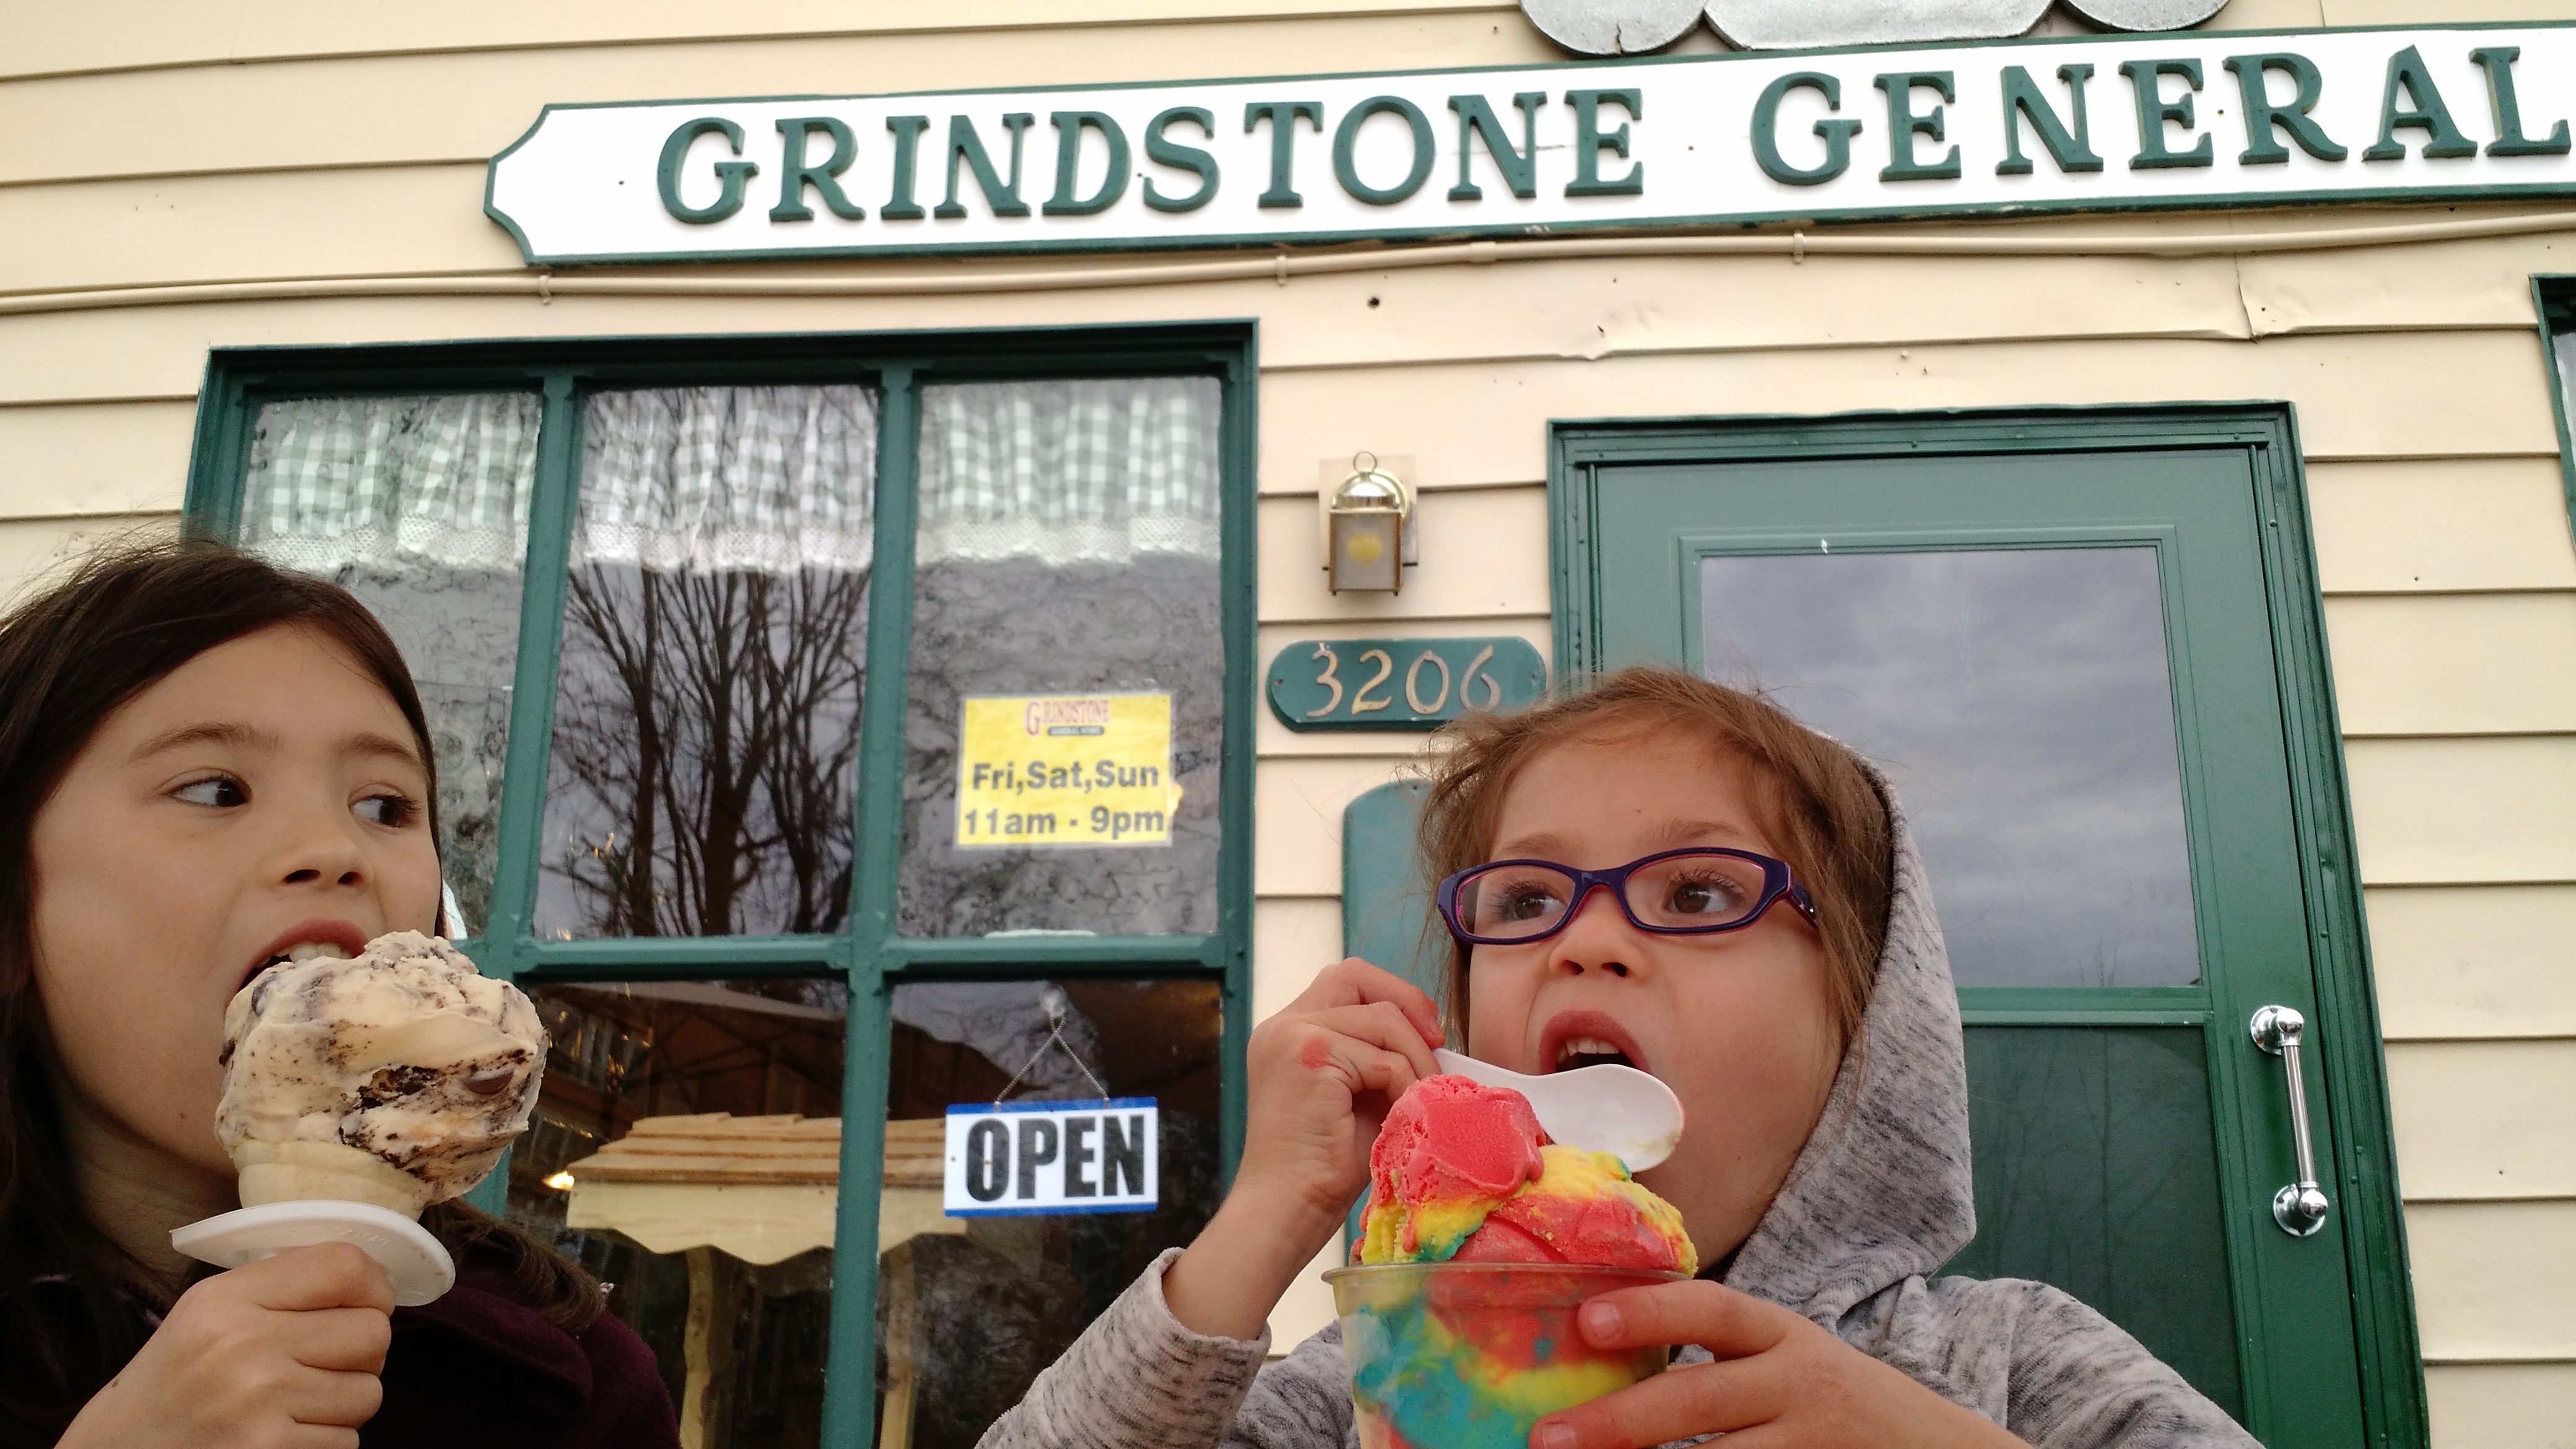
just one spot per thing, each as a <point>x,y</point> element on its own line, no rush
<point>1471,1355</point>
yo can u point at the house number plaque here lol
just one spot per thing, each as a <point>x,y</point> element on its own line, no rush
<point>1400,684</point>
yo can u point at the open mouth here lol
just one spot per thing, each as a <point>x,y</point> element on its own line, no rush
<point>310,941</point>
<point>1587,1051</point>
<point>1579,1039</point>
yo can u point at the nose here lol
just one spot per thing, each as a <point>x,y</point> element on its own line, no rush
<point>314,849</point>
<point>1596,938</point>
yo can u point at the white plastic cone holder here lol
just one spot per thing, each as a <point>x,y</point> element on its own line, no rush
<point>417,1263</point>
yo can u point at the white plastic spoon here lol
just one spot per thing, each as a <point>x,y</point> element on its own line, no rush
<point>1607,1108</point>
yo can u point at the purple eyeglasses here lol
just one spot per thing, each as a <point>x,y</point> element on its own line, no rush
<point>1671,893</point>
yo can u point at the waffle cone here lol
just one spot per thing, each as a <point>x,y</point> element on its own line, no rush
<point>292,1171</point>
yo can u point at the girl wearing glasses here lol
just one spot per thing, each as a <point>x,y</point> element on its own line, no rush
<point>1676,876</point>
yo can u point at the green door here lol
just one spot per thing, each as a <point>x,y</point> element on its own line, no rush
<point>2086,646</point>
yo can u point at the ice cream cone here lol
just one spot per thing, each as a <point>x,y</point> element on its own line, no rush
<point>395,1078</point>
<point>294,1171</point>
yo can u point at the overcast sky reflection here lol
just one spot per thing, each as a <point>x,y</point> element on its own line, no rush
<point>2019,698</point>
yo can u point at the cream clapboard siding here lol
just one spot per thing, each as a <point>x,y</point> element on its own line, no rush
<point>175,142</point>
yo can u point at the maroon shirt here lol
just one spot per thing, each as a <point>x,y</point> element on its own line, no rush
<point>477,1367</point>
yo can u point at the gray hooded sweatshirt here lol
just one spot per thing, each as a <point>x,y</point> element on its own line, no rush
<point>1878,1200</point>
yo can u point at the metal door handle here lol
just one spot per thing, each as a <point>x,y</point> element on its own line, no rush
<point>2301,1207</point>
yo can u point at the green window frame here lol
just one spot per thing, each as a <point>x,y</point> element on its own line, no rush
<point>868,954</point>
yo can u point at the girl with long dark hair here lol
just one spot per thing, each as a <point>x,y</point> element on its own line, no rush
<point>205,761</point>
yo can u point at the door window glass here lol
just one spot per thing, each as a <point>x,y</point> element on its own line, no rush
<point>419,506</point>
<point>686,1149</point>
<point>2022,702</point>
<point>2096,1171</point>
<point>970,1309</point>
<point>1066,576</point>
<point>705,742</point>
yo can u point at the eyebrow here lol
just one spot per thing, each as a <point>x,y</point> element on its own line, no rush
<point>1672,837</point>
<point>1692,832</point>
<point>370,743</point>
<point>212,733</point>
<point>366,743</point>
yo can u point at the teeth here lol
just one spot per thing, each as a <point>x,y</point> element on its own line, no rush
<point>1586,1046</point>
<point>316,951</point>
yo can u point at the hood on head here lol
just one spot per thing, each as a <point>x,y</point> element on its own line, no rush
<point>1881,1192</point>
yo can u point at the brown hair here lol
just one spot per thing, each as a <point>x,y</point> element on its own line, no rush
<point>1819,804</point>
<point>70,1297</point>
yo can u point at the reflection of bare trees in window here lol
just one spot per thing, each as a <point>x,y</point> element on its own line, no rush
<point>705,742</point>
<point>458,629</point>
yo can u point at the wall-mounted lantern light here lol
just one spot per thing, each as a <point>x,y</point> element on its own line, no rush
<point>1368,522</point>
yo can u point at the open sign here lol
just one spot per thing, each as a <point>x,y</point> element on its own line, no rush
<point>1094,1156</point>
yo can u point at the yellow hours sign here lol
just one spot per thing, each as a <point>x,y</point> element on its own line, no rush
<point>1066,770</point>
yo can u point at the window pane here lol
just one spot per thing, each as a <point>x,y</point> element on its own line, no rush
<point>970,1309</point>
<point>2021,701</point>
<point>686,1150</point>
<point>1066,578</point>
<point>2096,1171</point>
<point>419,506</point>
<point>705,753</point>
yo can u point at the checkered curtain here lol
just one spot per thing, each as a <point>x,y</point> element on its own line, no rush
<point>342,481</point>
<point>760,479</point>
<point>1091,470</point>
<point>729,479</point>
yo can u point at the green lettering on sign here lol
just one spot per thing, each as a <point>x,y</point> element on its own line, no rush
<point>1165,151</point>
<point>2264,116</point>
<point>1590,141</point>
<point>1069,126</point>
<point>1283,117</point>
<point>2146,82</point>
<point>901,206</point>
<point>2071,150</point>
<point>1401,684</point>
<point>1837,132</point>
<point>1904,123</point>
<point>1346,141</point>
<point>795,173</point>
<point>1519,167</point>
<point>2443,139</point>
<point>966,146</point>
<point>731,176</point>
<point>2497,60</point>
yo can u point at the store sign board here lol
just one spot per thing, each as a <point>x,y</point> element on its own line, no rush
<point>1027,1158</point>
<point>2095,123</point>
<point>1400,684</point>
<point>1066,770</point>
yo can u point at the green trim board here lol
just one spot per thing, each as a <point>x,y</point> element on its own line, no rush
<point>2553,301</point>
<point>2379,115</point>
<point>1387,918</point>
<point>2115,1005</point>
<point>868,954</point>
<point>2256,643</point>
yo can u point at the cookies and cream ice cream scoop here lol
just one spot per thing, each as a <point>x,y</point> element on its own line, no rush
<point>395,1078</point>
<point>359,1090</point>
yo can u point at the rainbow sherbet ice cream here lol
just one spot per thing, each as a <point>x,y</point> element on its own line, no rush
<point>1482,1239</point>
<point>1462,1173</point>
